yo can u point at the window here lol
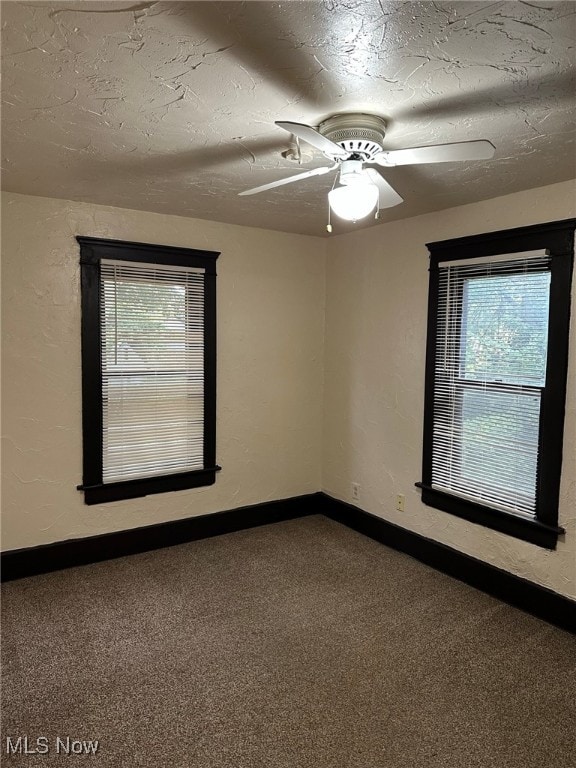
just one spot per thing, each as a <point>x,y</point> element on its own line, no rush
<point>148,368</point>
<point>497,353</point>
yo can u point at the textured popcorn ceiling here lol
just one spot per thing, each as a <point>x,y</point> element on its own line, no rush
<point>170,107</point>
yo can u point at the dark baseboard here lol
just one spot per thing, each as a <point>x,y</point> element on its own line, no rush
<point>19,563</point>
<point>511,589</point>
<point>530,597</point>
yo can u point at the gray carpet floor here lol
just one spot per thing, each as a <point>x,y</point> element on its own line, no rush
<point>296,645</point>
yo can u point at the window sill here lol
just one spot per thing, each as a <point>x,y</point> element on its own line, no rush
<point>133,489</point>
<point>523,528</point>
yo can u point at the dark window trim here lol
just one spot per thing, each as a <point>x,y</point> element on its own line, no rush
<point>92,251</point>
<point>558,238</point>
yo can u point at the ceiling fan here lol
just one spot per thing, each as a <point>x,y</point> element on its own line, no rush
<point>354,144</point>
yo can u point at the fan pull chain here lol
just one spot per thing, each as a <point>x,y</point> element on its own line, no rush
<point>329,225</point>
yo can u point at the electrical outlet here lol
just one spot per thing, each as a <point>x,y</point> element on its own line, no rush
<point>356,491</point>
<point>400,502</point>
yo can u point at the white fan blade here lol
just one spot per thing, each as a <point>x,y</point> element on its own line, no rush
<point>289,179</point>
<point>437,153</point>
<point>311,135</point>
<point>388,196</point>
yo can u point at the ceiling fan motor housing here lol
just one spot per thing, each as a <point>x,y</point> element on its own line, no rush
<point>358,134</point>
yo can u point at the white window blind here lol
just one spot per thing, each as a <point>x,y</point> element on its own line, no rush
<point>490,370</point>
<point>152,330</point>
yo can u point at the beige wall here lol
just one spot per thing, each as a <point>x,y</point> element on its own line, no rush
<point>272,357</point>
<point>270,338</point>
<point>376,302</point>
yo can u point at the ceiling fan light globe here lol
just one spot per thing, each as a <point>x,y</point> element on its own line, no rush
<point>354,202</point>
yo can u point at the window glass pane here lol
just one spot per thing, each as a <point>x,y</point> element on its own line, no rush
<point>505,328</point>
<point>499,449</point>
<point>144,324</point>
<point>154,425</point>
